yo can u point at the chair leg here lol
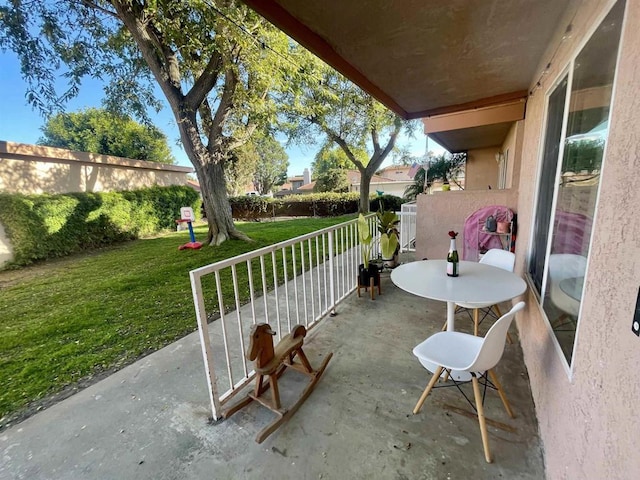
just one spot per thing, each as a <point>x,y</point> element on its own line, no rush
<point>503,397</point>
<point>476,321</point>
<point>481,419</point>
<point>427,389</point>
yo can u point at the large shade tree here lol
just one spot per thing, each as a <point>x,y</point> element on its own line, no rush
<point>212,60</point>
<point>100,131</point>
<point>325,102</point>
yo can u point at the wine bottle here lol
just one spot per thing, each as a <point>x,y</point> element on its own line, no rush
<point>452,260</point>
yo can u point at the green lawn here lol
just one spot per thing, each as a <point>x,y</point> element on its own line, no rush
<point>66,321</point>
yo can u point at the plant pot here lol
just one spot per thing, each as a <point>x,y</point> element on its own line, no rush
<point>390,262</point>
<point>503,227</point>
<point>365,275</point>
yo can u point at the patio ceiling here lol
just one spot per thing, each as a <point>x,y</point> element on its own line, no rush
<point>426,57</point>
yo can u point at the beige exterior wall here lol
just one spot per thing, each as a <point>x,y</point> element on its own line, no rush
<point>512,149</point>
<point>587,413</point>
<point>391,188</point>
<point>35,169</point>
<point>481,169</point>
<point>432,240</point>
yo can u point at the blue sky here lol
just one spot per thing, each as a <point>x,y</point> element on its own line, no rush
<point>19,122</point>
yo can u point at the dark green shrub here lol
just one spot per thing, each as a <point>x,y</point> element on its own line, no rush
<point>310,205</point>
<point>325,204</point>
<point>386,202</point>
<point>252,207</point>
<point>48,226</point>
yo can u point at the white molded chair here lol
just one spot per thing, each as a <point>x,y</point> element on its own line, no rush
<point>497,258</point>
<point>467,353</point>
<point>562,266</point>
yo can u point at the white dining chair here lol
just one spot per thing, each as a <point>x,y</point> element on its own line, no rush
<point>561,267</point>
<point>497,258</point>
<point>478,356</point>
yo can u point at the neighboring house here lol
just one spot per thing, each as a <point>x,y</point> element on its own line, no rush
<point>396,173</point>
<point>307,188</point>
<point>386,186</point>
<point>294,185</point>
<point>509,88</point>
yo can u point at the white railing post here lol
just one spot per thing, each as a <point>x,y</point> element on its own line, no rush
<point>332,292</point>
<point>203,329</point>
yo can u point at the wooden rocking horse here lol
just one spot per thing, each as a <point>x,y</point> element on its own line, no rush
<point>272,363</point>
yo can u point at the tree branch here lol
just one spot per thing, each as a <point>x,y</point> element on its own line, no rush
<point>378,157</point>
<point>207,80</point>
<point>146,37</point>
<point>375,139</point>
<point>97,7</point>
<point>224,106</point>
<point>342,144</point>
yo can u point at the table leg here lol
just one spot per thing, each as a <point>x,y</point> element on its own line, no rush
<point>451,316</point>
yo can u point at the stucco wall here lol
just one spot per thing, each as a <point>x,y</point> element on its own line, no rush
<point>432,240</point>
<point>587,416</point>
<point>37,169</point>
<point>513,146</point>
<point>481,169</point>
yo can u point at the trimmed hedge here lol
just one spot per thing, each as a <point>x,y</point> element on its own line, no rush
<point>386,202</point>
<point>311,205</point>
<point>48,226</point>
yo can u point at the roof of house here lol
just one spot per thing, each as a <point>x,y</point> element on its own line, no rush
<point>193,184</point>
<point>353,176</point>
<point>308,187</point>
<point>396,172</point>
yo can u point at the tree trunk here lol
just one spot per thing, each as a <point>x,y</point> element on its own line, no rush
<point>216,203</point>
<point>365,187</point>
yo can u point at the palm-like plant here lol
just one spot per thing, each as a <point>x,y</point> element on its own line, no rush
<point>445,167</point>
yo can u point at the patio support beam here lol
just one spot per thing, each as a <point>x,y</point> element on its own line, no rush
<point>509,112</point>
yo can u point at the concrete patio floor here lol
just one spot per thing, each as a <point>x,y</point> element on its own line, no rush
<point>151,419</point>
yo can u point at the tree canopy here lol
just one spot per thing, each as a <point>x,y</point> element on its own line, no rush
<point>216,62</point>
<point>332,180</point>
<point>99,131</point>
<point>273,161</point>
<point>323,101</point>
<point>331,157</point>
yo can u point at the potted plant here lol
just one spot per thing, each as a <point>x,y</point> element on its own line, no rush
<point>389,237</point>
<point>367,269</point>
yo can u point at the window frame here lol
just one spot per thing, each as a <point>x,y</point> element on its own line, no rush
<point>568,71</point>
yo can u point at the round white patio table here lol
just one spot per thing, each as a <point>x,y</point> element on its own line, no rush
<point>476,283</point>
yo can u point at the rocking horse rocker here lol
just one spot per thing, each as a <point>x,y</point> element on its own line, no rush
<point>272,363</point>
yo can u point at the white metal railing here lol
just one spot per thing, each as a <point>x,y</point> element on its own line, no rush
<point>294,282</point>
<point>408,215</point>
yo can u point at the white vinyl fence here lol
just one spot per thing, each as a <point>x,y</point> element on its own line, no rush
<point>294,282</point>
<point>408,214</point>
